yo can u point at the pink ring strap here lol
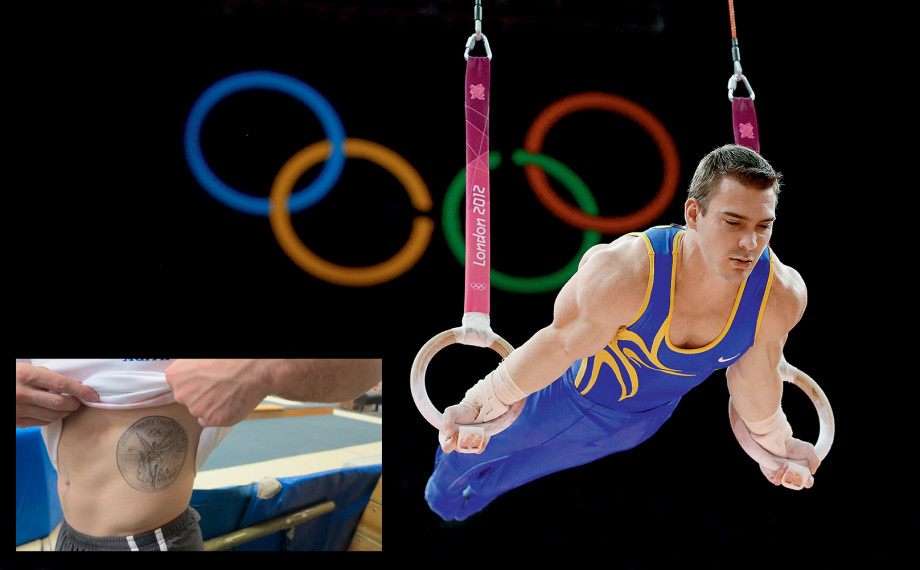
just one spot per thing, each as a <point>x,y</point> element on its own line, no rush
<point>475,329</point>
<point>744,123</point>
<point>478,231</point>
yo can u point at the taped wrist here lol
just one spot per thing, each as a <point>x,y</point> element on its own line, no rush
<point>494,394</point>
<point>771,433</point>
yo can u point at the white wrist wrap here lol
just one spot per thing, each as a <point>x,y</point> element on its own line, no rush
<point>492,395</point>
<point>771,433</point>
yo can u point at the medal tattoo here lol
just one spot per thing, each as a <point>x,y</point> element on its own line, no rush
<point>151,453</point>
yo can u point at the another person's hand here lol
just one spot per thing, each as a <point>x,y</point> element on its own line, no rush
<point>223,392</point>
<point>43,396</point>
<point>220,392</point>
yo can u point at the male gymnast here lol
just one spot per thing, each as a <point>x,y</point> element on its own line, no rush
<point>643,320</point>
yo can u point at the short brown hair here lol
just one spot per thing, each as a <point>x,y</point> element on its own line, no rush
<point>739,162</point>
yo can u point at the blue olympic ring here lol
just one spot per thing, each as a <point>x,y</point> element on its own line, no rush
<point>254,205</point>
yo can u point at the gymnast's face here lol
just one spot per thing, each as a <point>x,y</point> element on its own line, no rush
<point>735,229</point>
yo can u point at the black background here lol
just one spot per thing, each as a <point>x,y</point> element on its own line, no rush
<point>117,250</point>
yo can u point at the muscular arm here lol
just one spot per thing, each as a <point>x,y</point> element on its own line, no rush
<point>325,380</point>
<point>755,381</point>
<point>605,294</point>
<point>222,392</point>
<point>586,316</point>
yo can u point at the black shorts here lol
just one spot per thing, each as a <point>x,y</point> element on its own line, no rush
<point>181,534</point>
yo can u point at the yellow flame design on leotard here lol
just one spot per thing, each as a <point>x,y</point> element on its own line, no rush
<point>626,360</point>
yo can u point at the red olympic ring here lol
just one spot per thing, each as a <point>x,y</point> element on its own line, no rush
<point>573,216</point>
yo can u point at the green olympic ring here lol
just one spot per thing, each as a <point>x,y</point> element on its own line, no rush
<point>450,221</point>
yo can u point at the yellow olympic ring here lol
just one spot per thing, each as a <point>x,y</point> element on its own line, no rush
<point>280,217</point>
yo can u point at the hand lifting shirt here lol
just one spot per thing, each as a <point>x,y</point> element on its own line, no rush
<point>122,384</point>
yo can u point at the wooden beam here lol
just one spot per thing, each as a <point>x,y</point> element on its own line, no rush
<point>369,533</point>
<point>244,535</point>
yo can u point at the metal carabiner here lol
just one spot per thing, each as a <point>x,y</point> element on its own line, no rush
<point>470,43</point>
<point>477,34</point>
<point>733,82</point>
<point>736,65</point>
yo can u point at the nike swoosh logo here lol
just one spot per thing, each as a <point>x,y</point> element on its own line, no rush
<point>723,359</point>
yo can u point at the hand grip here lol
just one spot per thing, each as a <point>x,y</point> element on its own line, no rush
<point>420,367</point>
<point>825,436</point>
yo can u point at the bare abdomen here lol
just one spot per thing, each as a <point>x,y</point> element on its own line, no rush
<point>123,472</point>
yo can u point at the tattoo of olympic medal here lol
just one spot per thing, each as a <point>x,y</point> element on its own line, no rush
<point>151,453</point>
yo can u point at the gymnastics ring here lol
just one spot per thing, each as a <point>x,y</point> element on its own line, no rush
<point>405,258</point>
<point>822,446</point>
<point>533,143</point>
<point>459,335</point>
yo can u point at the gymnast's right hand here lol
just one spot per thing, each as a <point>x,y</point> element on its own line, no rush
<point>487,400</point>
<point>463,413</point>
<point>43,396</point>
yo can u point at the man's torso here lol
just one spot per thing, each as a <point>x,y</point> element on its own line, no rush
<point>675,342</point>
<point>124,472</point>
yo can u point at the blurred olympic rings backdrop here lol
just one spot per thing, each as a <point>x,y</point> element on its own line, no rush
<point>284,200</point>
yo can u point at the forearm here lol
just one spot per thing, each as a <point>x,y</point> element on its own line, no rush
<point>756,401</point>
<point>756,392</point>
<point>589,310</point>
<point>541,360</point>
<point>756,396</point>
<point>323,380</point>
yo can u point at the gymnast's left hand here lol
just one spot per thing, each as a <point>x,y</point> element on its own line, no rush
<point>795,449</point>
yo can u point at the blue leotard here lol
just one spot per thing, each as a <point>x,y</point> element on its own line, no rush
<point>640,369</point>
<point>606,403</point>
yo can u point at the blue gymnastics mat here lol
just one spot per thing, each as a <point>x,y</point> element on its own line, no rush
<point>265,439</point>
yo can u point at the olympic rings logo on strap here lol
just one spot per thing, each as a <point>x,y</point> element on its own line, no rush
<point>284,200</point>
